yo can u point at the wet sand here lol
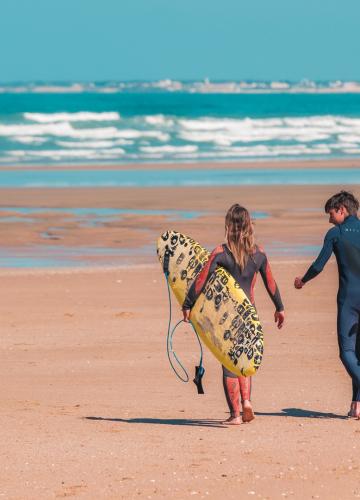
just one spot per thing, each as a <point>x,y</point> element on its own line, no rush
<point>90,406</point>
<point>295,214</point>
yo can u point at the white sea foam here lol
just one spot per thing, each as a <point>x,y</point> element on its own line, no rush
<point>29,139</point>
<point>65,129</point>
<point>227,132</point>
<point>158,120</point>
<point>349,122</point>
<point>230,138</point>
<point>259,152</point>
<point>136,134</point>
<point>72,117</point>
<point>169,149</point>
<point>89,154</point>
<point>313,121</point>
<point>95,144</point>
<point>86,144</point>
<point>31,130</point>
<point>349,138</point>
<point>209,124</point>
<point>352,151</point>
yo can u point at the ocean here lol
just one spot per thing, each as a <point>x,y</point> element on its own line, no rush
<point>42,124</point>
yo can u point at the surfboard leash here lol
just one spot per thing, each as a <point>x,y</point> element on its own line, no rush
<point>199,370</point>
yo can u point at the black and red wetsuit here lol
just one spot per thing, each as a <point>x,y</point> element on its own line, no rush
<point>223,257</point>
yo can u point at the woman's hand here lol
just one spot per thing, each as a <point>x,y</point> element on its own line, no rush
<point>279,317</point>
<point>186,313</point>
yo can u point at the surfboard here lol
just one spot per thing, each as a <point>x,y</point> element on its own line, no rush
<point>222,315</point>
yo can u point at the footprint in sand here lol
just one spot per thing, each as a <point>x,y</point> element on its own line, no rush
<point>124,314</point>
<point>71,491</point>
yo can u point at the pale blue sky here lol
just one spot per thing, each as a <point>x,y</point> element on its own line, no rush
<point>180,39</point>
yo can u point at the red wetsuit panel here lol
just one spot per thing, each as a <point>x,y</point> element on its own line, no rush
<point>223,257</point>
<point>204,273</point>
<point>270,279</point>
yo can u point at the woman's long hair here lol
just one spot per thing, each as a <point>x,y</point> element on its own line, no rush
<point>239,234</point>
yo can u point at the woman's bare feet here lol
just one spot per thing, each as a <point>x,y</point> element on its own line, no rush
<point>247,412</point>
<point>232,421</point>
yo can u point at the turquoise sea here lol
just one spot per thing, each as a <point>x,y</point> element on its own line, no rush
<point>151,123</point>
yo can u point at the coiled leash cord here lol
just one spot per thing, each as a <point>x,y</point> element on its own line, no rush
<point>199,370</point>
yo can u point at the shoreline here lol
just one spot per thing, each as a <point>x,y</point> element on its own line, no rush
<point>276,164</point>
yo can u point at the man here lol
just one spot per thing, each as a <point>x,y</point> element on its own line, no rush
<point>344,241</point>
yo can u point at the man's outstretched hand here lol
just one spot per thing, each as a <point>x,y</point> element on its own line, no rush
<point>279,317</point>
<point>298,283</point>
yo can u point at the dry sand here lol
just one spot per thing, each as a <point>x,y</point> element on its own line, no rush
<point>90,407</point>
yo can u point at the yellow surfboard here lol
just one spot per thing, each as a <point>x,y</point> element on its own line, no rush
<point>223,316</point>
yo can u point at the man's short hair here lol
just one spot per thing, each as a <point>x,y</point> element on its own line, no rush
<point>345,199</point>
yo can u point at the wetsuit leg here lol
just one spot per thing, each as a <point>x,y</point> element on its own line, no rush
<point>245,388</point>
<point>356,392</point>
<point>356,387</point>
<point>348,327</point>
<point>232,392</point>
<point>244,382</point>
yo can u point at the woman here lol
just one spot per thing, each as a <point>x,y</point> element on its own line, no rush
<point>243,259</point>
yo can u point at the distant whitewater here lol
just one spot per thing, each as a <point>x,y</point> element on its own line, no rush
<point>176,122</point>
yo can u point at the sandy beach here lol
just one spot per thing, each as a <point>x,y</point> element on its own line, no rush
<point>90,406</point>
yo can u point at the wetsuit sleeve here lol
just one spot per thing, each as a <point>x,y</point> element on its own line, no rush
<point>318,265</point>
<point>270,283</point>
<point>217,258</point>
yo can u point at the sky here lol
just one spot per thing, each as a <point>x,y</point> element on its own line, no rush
<point>99,40</point>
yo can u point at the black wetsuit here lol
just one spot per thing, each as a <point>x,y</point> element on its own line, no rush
<point>344,241</point>
<point>223,257</point>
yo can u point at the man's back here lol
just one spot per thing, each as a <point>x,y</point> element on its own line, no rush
<point>346,247</point>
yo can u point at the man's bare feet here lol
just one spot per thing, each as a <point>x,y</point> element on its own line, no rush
<point>354,410</point>
<point>247,412</point>
<point>351,412</point>
<point>232,421</point>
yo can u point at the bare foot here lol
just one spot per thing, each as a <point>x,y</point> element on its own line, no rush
<point>351,412</point>
<point>357,409</point>
<point>247,412</point>
<point>354,410</point>
<point>232,421</point>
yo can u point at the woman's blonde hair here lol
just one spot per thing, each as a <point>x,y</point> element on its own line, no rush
<point>239,234</point>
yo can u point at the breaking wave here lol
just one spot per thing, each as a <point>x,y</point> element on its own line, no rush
<point>181,128</point>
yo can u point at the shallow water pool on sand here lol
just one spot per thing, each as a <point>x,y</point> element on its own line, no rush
<point>51,256</point>
<point>89,217</point>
